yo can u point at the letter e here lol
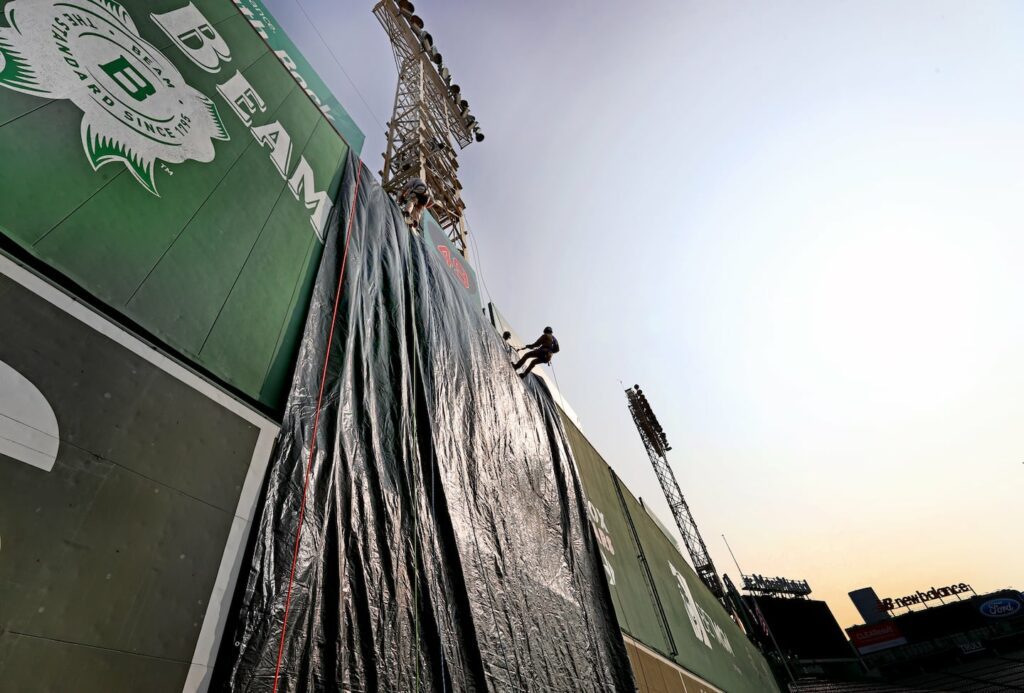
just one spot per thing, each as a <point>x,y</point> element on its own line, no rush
<point>242,98</point>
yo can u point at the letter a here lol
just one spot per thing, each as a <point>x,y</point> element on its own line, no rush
<point>303,187</point>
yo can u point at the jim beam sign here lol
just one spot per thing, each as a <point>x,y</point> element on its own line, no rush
<point>137,109</point>
<point>889,604</point>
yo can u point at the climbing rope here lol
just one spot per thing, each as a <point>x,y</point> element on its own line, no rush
<point>316,423</point>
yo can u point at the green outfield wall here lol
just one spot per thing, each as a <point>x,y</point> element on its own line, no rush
<point>659,600</point>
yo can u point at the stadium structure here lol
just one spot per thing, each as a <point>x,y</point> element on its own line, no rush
<point>257,436</point>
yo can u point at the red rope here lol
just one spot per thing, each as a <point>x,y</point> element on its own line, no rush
<point>316,423</point>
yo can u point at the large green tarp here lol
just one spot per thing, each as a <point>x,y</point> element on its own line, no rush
<point>658,598</point>
<point>160,156</point>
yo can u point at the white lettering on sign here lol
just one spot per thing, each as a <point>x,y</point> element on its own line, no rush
<point>704,627</point>
<point>28,426</point>
<point>193,35</point>
<point>191,32</point>
<point>290,64</point>
<point>603,538</point>
<point>274,136</point>
<point>302,186</point>
<point>889,604</point>
<point>242,98</point>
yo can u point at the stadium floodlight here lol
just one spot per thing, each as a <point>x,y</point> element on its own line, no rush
<point>656,443</point>
<point>429,109</point>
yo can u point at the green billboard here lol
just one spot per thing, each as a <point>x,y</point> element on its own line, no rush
<point>659,600</point>
<point>161,156</point>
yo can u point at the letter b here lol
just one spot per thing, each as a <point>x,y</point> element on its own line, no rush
<point>129,79</point>
<point>194,36</point>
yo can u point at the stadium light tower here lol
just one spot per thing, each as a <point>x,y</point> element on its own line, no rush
<point>430,115</point>
<point>656,443</point>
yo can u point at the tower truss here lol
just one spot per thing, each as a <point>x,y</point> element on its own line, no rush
<point>656,443</point>
<point>430,119</point>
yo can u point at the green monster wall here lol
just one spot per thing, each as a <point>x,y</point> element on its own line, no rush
<point>659,600</point>
<point>162,157</point>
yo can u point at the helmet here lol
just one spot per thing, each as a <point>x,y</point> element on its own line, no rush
<point>548,330</point>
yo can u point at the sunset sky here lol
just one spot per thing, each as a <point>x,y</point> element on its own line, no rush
<point>798,225</point>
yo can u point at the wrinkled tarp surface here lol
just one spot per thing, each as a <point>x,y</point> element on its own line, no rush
<point>444,544</point>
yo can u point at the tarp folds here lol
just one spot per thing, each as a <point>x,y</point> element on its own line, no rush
<point>444,543</point>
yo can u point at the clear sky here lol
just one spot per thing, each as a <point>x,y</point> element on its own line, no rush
<point>796,224</point>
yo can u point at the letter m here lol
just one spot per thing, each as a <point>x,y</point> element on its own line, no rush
<point>303,187</point>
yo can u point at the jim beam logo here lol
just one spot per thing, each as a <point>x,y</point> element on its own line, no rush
<point>137,108</point>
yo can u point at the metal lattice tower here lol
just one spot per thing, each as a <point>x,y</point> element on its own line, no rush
<point>429,118</point>
<point>656,443</point>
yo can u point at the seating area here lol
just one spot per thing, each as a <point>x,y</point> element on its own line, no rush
<point>990,675</point>
<point>998,674</point>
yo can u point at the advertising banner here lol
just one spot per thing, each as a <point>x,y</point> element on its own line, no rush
<point>875,637</point>
<point>127,487</point>
<point>456,264</point>
<point>160,158</point>
<point>1001,607</point>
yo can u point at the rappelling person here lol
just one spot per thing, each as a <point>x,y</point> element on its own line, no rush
<point>415,199</point>
<point>543,349</point>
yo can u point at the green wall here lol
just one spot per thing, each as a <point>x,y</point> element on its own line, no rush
<point>659,600</point>
<point>269,30</point>
<point>139,180</point>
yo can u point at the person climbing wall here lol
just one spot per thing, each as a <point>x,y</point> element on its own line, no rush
<point>415,199</point>
<point>542,350</point>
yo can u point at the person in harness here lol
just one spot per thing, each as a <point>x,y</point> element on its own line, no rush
<point>542,351</point>
<point>414,199</point>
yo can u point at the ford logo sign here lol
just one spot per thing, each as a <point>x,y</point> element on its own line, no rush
<point>999,608</point>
